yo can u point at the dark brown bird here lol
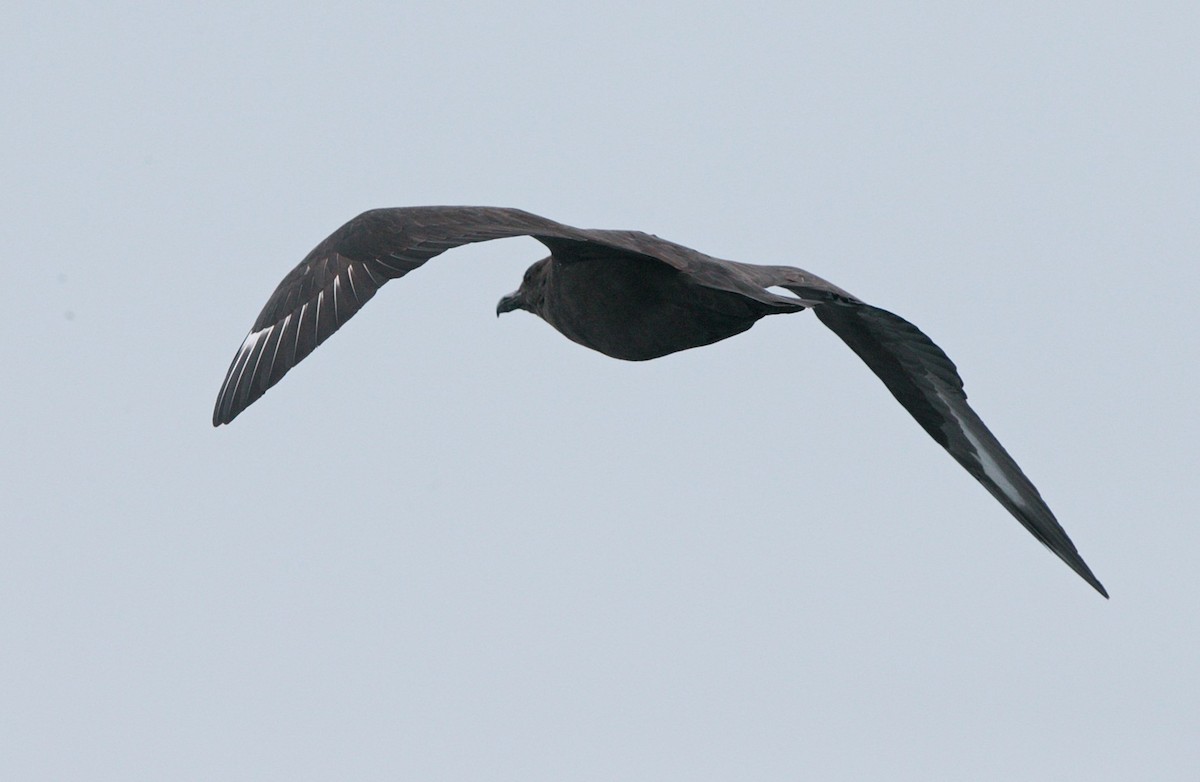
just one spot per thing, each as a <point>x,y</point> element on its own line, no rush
<point>633,296</point>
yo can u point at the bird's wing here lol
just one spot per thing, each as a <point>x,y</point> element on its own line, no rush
<point>925,381</point>
<point>338,277</point>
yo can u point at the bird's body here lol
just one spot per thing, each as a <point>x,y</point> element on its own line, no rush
<point>631,296</point>
<point>636,309</point>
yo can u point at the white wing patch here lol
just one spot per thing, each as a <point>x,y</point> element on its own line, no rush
<point>790,295</point>
<point>260,340</point>
<point>317,319</point>
<point>299,328</point>
<point>991,468</point>
<point>248,345</point>
<point>371,274</point>
<point>336,284</point>
<point>282,333</point>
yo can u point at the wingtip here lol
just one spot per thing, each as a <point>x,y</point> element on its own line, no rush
<point>220,417</point>
<point>1085,572</point>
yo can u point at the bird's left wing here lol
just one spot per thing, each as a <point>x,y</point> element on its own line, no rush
<point>925,381</point>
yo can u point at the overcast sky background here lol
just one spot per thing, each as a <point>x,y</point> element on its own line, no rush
<point>454,547</point>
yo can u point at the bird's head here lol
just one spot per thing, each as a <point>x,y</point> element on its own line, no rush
<point>531,293</point>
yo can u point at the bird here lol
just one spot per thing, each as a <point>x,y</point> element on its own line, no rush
<point>633,296</point>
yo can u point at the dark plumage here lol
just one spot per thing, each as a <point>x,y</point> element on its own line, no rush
<point>632,296</point>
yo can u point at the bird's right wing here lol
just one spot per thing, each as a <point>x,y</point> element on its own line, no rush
<point>343,272</point>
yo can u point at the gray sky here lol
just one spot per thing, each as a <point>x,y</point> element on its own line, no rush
<point>451,547</point>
